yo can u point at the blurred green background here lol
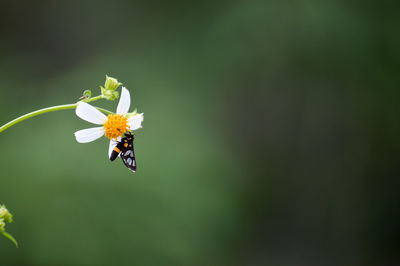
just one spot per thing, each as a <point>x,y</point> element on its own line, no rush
<point>271,133</point>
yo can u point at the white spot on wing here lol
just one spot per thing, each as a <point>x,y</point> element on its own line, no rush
<point>129,153</point>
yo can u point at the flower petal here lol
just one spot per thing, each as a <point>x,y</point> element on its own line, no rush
<point>112,145</point>
<point>135,122</point>
<point>124,102</point>
<point>90,114</point>
<point>89,134</point>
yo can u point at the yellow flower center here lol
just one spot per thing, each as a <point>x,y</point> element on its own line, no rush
<point>115,126</point>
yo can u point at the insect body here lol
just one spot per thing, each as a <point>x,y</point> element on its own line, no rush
<point>125,149</point>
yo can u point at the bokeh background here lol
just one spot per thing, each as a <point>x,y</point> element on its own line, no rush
<point>271,133</point>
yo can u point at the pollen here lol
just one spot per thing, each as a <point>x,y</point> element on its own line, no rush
<point>115,126</point>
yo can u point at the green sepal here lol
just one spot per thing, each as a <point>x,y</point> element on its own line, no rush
<point>131,114</point>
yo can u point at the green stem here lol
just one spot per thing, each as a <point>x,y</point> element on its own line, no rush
<point>37,112</point>
<point>104,110</point>
<point>10,237</point>
<point>93,99</point>
<point>51,109</point>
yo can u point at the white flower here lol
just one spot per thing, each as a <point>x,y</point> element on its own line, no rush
<point>113,126</point>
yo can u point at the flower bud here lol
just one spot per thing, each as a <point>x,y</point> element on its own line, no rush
<point>87,94</point>
<point>111,83</point>
<point>2,225</point>
<point>5,215</point>
<point>109,94</point>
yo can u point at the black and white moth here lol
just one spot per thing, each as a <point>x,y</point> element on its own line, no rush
<point>125,149</point>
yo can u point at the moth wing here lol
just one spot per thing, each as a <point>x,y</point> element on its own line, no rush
<point>128,156</point>
<point>114,148</point>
